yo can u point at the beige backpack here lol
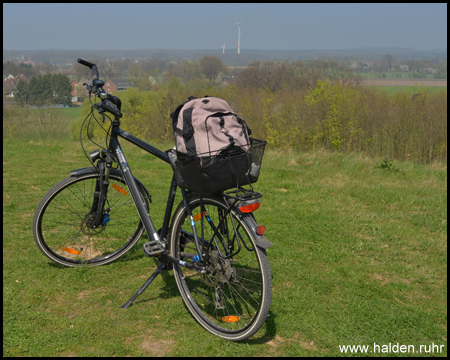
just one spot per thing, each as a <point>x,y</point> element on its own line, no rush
<point>206,126</point>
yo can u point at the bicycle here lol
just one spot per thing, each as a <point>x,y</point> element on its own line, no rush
<point>213,244</point>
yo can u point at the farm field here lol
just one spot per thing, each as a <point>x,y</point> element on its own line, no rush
<point>411,90</point>
<point>404,82</point>
<point>360,257</point>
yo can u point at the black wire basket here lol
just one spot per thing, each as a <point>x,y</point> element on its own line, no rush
<point>232,167</point>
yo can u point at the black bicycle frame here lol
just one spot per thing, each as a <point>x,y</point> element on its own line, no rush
<point>116,149</point>
<point>140,202</point>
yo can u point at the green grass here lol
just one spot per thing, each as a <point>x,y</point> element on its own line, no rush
<point>394,90</point>
<point>394,75</point>
<point>72,112</point>
<point>360,257</point>
<point>35,124</point>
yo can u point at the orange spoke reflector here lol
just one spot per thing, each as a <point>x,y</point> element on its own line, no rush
<point>71,251</point>
<point>198,216</point>
<point>231,318</point>
<point>119,189</point>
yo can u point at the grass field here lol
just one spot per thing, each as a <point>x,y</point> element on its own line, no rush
<point>394,90</point>
<point>360,257</point>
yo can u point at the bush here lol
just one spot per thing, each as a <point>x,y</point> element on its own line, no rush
<point>331,115</point>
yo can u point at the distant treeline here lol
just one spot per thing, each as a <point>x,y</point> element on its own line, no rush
<point>230,58</point>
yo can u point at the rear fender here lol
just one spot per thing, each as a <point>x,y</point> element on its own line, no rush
<point>261,240</point>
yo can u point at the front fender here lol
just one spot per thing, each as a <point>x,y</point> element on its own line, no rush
<point>114,171</point>
<point>93,170</point>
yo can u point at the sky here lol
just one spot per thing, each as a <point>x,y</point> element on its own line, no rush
<point>206,26</point>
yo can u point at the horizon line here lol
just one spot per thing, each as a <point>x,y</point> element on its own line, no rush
<point>218,49</point>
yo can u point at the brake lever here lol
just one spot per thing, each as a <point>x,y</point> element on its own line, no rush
<point>103,117</point>
<point>88,87</point>
<point>100,111</point>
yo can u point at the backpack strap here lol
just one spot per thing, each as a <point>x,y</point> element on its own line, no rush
<point>244,125</point>
<point>224,131</point>
<point>174,115</point>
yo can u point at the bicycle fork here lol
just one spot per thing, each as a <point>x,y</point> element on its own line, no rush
<point>98,216</point>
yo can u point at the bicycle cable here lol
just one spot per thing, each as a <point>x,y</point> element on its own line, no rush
<point>107,131</point>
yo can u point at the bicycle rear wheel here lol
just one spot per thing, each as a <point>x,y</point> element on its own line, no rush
<point>232,298</point>
<point>62,224</point>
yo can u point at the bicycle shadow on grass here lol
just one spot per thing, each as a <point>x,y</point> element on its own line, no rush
<point>133,254</point>
<point>169,290</point>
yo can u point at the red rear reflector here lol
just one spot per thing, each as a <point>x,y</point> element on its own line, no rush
<point>119,189</point>
<point>71,251</point>
<point>231,318</point>
<point>260,230</point>
<point>247,208</point>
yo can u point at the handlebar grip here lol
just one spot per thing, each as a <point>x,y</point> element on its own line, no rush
<point>85,63</point>
<point>110,107</point>
<point>93,67</point>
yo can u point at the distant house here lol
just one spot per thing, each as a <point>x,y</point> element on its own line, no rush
<point>74,92</point>
<point>114,85</point>
<point>10,84</point>
<point>9,88</point>
<point>354,65</point>
<point>430,71</point>
<point>20,77</point>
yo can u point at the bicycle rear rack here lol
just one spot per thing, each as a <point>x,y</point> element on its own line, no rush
<point>240,194</point>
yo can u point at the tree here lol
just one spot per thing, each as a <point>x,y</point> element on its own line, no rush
<point>272,76</point>
<point>331,70</point>
<point>388,61</point>
<point>39,90</point>
<point>22,95</point>
<point>107,69</point>
<point>187,71</point>
<point>211,67</point>
<point>136,72</point>
<point>45,90</point>
<point>81,71</point>
<point>61,89</point>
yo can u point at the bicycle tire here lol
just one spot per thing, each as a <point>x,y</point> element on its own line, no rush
<point>233,299</point>
<point>60,223</point>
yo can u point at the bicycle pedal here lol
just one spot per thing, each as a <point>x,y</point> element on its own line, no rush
<point>153,248</point>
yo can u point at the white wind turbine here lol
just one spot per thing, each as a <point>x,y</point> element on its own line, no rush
<point>239,36</point>
<point>223,48</point>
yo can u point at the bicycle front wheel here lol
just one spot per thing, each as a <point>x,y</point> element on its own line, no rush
<point>232,297</point>
<point>62,224</point>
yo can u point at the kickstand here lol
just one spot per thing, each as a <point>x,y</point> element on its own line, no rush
<point>158,270</point>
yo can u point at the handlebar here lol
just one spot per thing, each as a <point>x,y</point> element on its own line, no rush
<point>85,63</point>
<point>93,67</point>
<point>109,103</point>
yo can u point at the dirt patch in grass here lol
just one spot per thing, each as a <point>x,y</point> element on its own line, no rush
<point>155,346</point>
